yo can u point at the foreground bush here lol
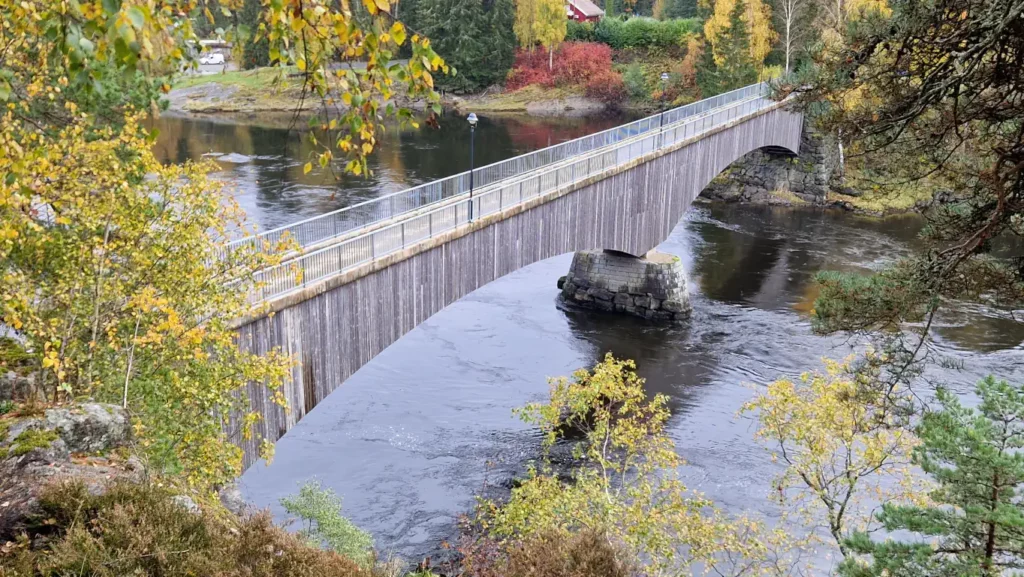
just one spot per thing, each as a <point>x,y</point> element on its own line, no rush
<point>140,529</point>
<point>319,510</point>
<point>623,486</point>
<point>114,283</point>
<point>587,553</point>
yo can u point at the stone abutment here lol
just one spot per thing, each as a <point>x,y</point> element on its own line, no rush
<point>776,175</point>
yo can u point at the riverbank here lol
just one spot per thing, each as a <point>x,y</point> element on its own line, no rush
<point>265,90</point>
<point>874,204</point>
<point>531,100</point>
<point>263,98</point>
<point>240,92</point>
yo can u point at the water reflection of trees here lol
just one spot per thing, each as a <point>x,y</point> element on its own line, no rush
<point>767,257</point>
<point>757,260</point>
<point>264,159</point>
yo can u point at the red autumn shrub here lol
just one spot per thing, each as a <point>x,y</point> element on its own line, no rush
<point>523,77</point>
<point>575,64</point>
<point>606,86</point>
<point>530,67</point>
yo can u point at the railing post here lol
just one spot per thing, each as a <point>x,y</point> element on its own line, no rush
<point>661,131</point>
<point>403,234</point>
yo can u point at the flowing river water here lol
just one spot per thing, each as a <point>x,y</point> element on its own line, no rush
<point>413,436</point>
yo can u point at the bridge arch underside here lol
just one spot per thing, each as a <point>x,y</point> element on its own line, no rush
<point>338,329</point>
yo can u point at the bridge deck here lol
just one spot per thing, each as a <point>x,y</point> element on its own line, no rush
<point>342,240</point>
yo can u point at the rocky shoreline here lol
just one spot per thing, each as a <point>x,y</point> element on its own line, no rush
<point>88,443</point>
<point>215,98</point>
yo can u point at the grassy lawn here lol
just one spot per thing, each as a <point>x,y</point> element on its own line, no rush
<point>262,89</point>
<point>518,100</point>
<point>257,79</point>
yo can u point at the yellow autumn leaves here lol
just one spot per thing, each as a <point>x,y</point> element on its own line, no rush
<point>843,441</point>
<point>625,485</point>
<point>540,22</point>
<point>116,284</point>
<point>757,17</point>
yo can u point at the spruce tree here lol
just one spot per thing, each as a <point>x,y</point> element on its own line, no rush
<point>254,54</point>
<point>726,63</point>
<point>974,526</point>
<point>454,27</point>
<point>500,43</point>
<point>476,39</point>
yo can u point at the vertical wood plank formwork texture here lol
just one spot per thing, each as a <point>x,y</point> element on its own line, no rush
<point>336,332</point>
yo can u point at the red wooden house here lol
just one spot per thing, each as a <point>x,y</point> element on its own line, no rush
<point>583,11</point>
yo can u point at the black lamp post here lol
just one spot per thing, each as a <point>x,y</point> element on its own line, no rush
<point>472,119</point>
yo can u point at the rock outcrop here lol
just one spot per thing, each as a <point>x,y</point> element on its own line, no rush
<point>776,176</point>
<point>76,441</point>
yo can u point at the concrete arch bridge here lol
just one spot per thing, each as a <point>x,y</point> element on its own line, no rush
<point>372,272</point>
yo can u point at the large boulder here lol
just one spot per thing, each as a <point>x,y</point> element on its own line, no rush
<point>90,427</point>
<point>15,386</point>
<point>71,442</point>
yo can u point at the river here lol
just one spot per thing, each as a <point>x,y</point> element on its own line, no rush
<point>413,436</point>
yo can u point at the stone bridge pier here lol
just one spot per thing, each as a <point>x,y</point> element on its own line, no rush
<point>652,286</point>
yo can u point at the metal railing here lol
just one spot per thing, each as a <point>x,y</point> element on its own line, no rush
<point>316,230</point>
<point>359,249</point>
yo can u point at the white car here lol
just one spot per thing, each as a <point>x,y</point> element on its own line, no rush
<point>215,58</point>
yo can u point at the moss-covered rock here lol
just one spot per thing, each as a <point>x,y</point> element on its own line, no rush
<point>36,448</point>
<point>31,439</point>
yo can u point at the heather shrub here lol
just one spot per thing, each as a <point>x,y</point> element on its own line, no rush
<point>577,62</point>
<point>586,553</point>
<point>530,67</point>
<point>139,529</point>
<point>606,86</point>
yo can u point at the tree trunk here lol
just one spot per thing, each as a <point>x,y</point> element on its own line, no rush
<point>551,57</point>
<point>990,541</point>
<point>789,37</point>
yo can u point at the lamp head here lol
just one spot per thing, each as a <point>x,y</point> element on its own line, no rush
<point>472,119</point>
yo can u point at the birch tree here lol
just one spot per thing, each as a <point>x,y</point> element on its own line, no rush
<point>540,22</point>
<point>793,17</point>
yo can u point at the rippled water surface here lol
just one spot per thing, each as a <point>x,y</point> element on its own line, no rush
<point>415,434</point>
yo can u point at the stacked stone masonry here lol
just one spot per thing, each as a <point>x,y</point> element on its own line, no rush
<point>653,287</point>
<point>775,176</point>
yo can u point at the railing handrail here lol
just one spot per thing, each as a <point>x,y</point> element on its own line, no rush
<point>282,282</point>
<point>722,99</point>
